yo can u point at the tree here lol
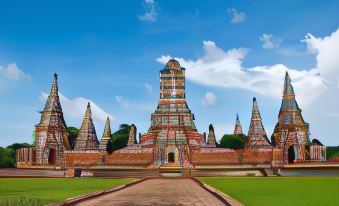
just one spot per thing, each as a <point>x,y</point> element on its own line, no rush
<point>7,157</point>
<point>119,138</point>
<point>73,132</point>
<point>232,141</point>
<point>18,145</point>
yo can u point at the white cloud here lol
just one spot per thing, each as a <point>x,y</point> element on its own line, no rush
<point>209,100</point>
<point>148,88</point>
<point>237,17</point>
<point>221,68</point>
<point>125,103</point>
<point>269,41</point>
<point>14,72</point>
<point>316,88</point>
<point>150,12</point>
<point>326,50</point>
<point>77,107</point>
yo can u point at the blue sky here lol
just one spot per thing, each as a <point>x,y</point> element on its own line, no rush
<point>110,52</point>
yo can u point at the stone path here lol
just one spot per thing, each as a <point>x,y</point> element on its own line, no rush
<point>158,191</point>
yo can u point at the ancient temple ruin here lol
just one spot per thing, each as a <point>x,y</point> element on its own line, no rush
<point>291,128</point>
<point>172,143</point>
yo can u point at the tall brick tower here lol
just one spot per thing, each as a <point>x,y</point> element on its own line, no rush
<point>257,137</point>
<point>172,127</point>
<point>51,132</point>
<point>291,128</point>
<point>87,138</point>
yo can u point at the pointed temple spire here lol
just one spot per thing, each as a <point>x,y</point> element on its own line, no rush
<point>87,139</point>
<point>106,137</point>
<point>256,134</point>
<point>132,135</point>
<point>54,89</point>
<point>51,132</point>
<point>238,127</point>
<point>53,102</point>
<point>211,136</point>
<point>291,128</point>
<point>288,102</point>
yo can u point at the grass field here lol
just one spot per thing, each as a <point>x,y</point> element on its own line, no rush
<point>41,191</point>
<point>279,190</point>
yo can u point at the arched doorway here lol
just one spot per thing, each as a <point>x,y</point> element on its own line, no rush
<point>170,157</point>
<point>291,155</point>
<point>51,156</point>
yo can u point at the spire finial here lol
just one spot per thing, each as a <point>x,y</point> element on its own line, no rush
<point>54,89</point>
<point>288,88</point>
<point>255,110</point>
<point>88,110</point>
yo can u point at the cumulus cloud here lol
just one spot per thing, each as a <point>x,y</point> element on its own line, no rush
<point>150,12</point>
<point>237,17</point>
<point>148,88</point>
<point>269,41</point>
<point>221,68</point>
<point>326,50</point>
<point>209,100</point>
<point>14,72</point>
<point>77,107</point>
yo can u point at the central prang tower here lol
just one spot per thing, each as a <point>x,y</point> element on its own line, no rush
<point>172,121</point>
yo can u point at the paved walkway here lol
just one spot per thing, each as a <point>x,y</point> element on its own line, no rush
<point>158,191</point>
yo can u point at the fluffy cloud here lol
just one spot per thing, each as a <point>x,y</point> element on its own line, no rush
<point>77,107</point>
<point>150,12</point>
<point>237,17</point>
<point>14,72</point>
<point>316,87</point>
<point>148,88</point>
<point>209,100</point>
<point>269,41</point>
<point>326,50</point>
<point>221,68</point>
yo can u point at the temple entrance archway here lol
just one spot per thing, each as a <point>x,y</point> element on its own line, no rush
<point>171,157</point>
<point>290,154</point>
<point>51,156</point>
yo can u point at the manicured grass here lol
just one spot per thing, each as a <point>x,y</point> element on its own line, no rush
<point>279,190</point>
<point>41,191</point>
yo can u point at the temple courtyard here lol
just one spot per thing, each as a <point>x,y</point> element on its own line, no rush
<point>173,191</point>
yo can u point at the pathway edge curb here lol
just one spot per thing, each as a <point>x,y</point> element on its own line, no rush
<point>76,200</point>
<point>228,200</point>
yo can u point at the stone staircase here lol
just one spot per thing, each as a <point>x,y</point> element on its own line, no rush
<point>170,170</point>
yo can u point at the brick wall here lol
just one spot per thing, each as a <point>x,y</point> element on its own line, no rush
<point>81,158</point>
<point>225,157</point>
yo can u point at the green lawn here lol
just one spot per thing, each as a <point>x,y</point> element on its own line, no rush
<point>279,190</point>
<point>40,191</point>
